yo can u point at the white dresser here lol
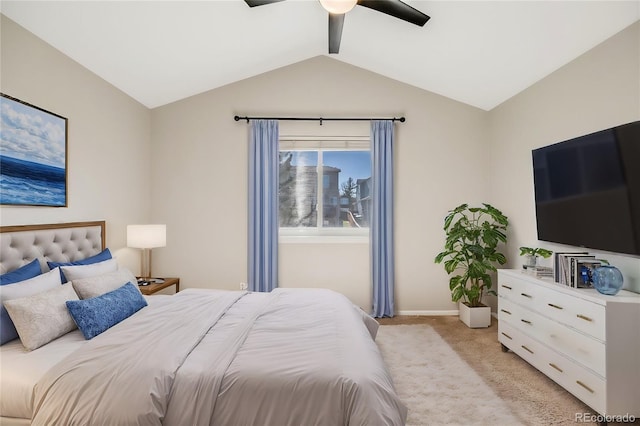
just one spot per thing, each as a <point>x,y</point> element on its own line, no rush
<point>586,342</point>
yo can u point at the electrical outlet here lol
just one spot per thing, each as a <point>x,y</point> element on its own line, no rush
<point>243,286</point>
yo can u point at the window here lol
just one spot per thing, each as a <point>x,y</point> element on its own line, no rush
<point>324,187</point>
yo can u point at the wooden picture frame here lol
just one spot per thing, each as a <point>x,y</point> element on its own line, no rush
<point>33,155</point>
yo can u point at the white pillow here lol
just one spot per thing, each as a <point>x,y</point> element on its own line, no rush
<point>75,272</point>
<point>42,317</point>
<point>101,284</point>
<point>47,281</point>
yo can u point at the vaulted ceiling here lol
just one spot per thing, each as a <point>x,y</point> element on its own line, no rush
<point>477,52</point>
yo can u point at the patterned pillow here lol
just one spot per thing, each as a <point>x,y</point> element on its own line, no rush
<point>43,282</point>
<point>98,314</point>
<point>30,270</point>
<point>101,284</point>
<point>42,317</point>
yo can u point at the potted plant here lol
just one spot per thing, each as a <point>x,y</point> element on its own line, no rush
<point>531,255</point>
<point>470,256</point>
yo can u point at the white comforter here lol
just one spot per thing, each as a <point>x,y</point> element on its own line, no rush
<point>289,357</point>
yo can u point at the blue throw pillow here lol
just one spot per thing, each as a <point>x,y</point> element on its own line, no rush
<point>97,314</point>
<point>100,257</point>
<point>30,270</point>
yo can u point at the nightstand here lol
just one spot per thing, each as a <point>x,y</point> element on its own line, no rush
<point>156,287</point>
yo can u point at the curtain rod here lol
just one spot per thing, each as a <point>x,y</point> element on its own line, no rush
<point>320,119</point>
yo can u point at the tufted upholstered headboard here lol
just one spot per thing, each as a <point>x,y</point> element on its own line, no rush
<point>58,242</point>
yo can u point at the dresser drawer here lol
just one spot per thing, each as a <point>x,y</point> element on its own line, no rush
<point>509,335</point>
<point>507,287</point>
<point>519,292</point>
<point>585,350</point>
<point>582,383</point>
<point>580,314</point>
<point>506,310</point>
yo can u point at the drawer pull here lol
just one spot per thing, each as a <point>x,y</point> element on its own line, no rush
<point>507,336</point>
<point>526,295</point>
<point>584,386</point>
<point>555,367</point>
<point>584,318</point>
<point>507,287</point>
<point>505,311</point>
<point>555,306</point>
<point>526,321</point>
<point>527,349</point>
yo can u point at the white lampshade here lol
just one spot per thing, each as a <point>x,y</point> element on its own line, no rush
<point>146,236</point>
<point>338,6</point>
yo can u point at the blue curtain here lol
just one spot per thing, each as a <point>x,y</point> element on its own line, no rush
<point>263,205</point>
<point>381,227</point>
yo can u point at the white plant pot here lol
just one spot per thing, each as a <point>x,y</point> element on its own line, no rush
<point>479,317</point>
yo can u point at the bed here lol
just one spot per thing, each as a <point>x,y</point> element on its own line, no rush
<point>289,357</point>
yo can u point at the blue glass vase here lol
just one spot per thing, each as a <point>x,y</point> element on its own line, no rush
<point>607,280</point>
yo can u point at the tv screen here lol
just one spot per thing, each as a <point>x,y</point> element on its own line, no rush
<point>587,190</point>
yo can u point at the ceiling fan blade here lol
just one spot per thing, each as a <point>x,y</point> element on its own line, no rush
<point>397,9</point>
<point>254,3</point>
<point>336,21</point>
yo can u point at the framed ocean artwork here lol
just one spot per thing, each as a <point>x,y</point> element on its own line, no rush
<point>33,155</point>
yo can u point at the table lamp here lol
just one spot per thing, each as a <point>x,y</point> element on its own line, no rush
<point>146,237</point>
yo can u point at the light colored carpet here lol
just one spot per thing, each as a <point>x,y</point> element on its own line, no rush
<point>437,386</point>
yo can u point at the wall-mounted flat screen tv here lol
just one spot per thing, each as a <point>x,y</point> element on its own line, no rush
<point>587,190</point>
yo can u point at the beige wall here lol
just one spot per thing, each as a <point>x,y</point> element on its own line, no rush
<point>185,164</point>
<point>598,90</point>
<point>200,178</point>
<point>108,136</point>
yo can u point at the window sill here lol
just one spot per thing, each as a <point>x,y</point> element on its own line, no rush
<point>323,239</point>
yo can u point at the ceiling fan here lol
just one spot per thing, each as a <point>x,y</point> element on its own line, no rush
<point>338,8</point>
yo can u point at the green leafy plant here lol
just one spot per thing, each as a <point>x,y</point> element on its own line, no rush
<point>528,251</point>
<point>471,250</point>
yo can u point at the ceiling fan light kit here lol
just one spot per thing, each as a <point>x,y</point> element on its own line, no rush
<point>338,8</point>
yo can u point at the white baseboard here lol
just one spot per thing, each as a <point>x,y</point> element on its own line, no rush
<point>436,313</point>
<point>428,313</point>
